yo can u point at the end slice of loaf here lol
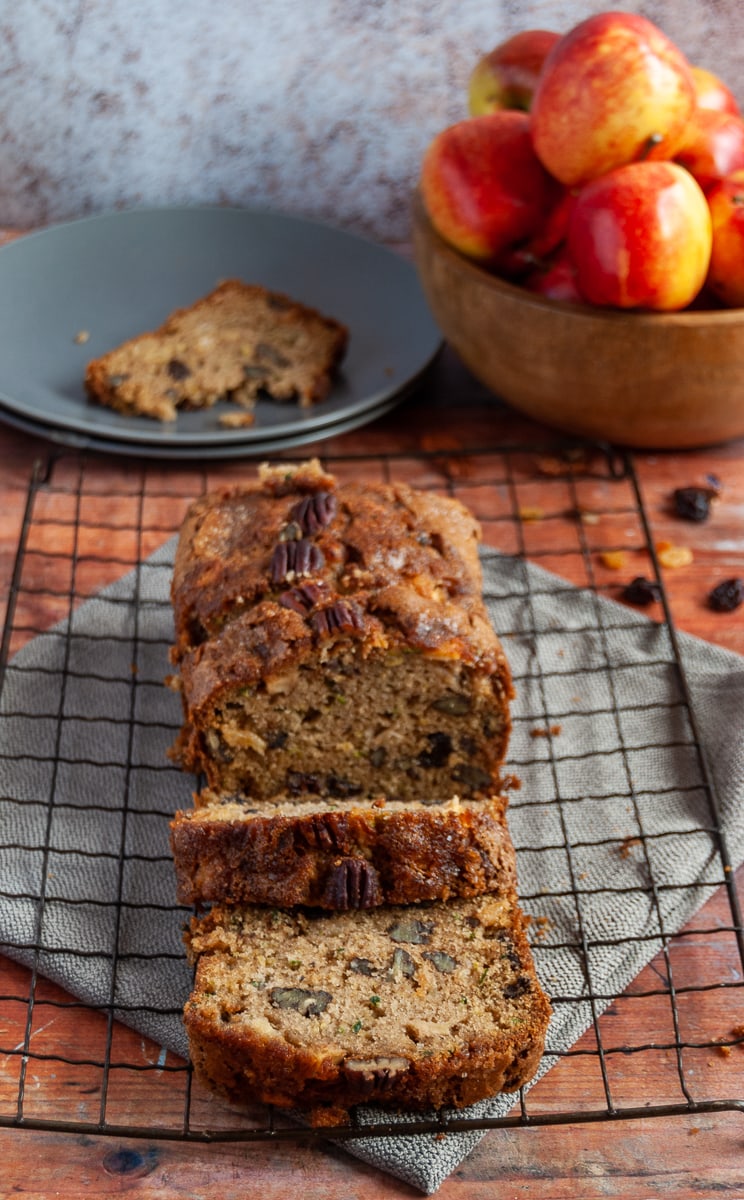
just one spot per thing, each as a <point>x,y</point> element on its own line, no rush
<point>404,1007</point>
<point>342,855</point>
<point>238,343</point>
<point>332,640</point>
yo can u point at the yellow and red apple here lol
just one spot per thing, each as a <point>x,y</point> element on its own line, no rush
<point>640,236</point>
<point>597,167</point>
<point>613,90</point>
<point>726,273</point>
<point>713,146</point>
<point>483,186</point>
<point>507,76</point>
<point>712,93</point>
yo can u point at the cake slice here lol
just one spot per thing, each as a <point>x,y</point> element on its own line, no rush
<point>405,1007</point>
<point>340,855</point>
<point>239,343</point>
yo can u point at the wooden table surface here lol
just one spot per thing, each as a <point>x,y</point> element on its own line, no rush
<point>693,1155</point>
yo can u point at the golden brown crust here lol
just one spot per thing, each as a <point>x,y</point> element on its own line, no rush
<point>294,1076</point>
<point>238,342</point>
<point>360,857</point>
<point>426,1056</point>
<point>411,556</point>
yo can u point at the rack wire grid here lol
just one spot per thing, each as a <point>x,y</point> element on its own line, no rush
<point>82,1066</point>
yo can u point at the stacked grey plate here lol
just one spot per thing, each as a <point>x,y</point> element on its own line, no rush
<point>73,291</point>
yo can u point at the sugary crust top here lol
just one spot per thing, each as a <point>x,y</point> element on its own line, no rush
<point>273,571</point>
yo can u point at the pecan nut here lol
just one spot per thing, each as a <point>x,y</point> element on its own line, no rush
<point>412,930</point>
<point>402,965</point>
<point>362,966</point>
<point>442,961</point>
<point>315,512</point>
<point>295,559</point>
<point>303,598</point>
<point>302,1000</point>
<point>343,616</point>
<point>376,1073</point>
<point>454,704</point>
<point>318,832</point>
<point>352,883</point>
<point>290,533</point>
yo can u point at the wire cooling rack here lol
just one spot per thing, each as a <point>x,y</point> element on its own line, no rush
<point>83,1064</point>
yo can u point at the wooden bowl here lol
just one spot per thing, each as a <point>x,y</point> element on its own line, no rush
<point>651,380</point>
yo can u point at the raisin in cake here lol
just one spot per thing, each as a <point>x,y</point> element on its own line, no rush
<point>238,343</point>
<point>342,855</point>
<point>416,1007</point>
<point>332,641</point>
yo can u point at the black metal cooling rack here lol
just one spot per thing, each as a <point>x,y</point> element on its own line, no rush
<point>86,1064</point>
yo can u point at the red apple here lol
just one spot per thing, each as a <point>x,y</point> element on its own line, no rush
<point>640,237</point>
<point>538,250</point>
<point>614,90</point>
<point>556,280</point>
<point>713,146</point>
<point>712,93</point>
<point>506,77</point>
<point>483,186</point>
<point>554,230</point>
<point>726,273</point>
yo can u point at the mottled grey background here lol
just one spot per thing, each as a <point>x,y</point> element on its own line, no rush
<point>320,108</point>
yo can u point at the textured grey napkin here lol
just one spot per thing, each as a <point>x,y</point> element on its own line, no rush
<point>611,797</point>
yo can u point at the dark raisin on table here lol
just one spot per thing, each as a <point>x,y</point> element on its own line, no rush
<point>641,591</point>
<point>693,503</point>
<point>727,596</point>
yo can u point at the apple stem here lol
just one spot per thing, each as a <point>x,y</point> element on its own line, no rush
<point>655,139</point>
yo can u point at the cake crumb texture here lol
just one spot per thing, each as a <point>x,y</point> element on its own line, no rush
<point>241,342</point>
<point>417,1007</point>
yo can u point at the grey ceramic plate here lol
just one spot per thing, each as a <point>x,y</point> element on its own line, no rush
<point>85,441</point>
<point>119,274</point>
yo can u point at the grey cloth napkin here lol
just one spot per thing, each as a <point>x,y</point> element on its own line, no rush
<point>612,796</point>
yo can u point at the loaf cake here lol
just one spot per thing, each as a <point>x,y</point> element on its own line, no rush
<point>346,702</point>
<point>344,855</point>
<point>238,343</point>
<point>332,641</point>
<point>406,1007</point>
